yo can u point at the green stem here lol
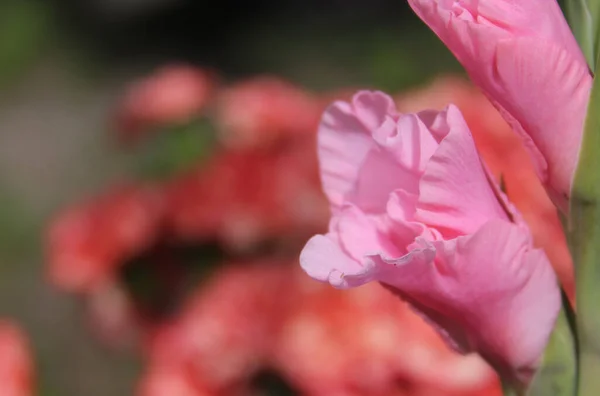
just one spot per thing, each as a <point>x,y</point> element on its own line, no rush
<point>558,373</point>
<point>589,374</point>
<point>584,243</point>
<point>585,246</point>
<point>586,253</point>
<point>581,20</point>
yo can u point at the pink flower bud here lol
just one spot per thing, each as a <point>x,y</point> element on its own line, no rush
<point>524,57</point>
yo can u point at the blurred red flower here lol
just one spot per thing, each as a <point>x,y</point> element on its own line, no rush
<point>246,198</point>
<point>86,243</point>
<point>168,381</point>
<point>16,364</point>
<point>171,95</point>
<point>321,340</point>
<point>227,326</point>
<point>259,198</point>
<point>258,112</point>
<point>367,342</point>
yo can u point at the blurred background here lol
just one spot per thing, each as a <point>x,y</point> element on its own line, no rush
<point>158,179</point>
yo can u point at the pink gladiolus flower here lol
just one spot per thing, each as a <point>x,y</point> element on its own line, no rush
<point>414,208</point>
<point>524,57</point>
<point>505,155</point>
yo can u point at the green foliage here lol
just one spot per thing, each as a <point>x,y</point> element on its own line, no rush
<point>583,232</point>
<point>16,228</point>
<point>24,29</point>
<point>175,148</point>
<point>584,19</point>
<point>558,373</point>
<point>410,62</point>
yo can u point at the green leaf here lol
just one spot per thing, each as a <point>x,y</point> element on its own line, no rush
<point>583,17</point>
<point>557,375</point>
<point>175,148</point>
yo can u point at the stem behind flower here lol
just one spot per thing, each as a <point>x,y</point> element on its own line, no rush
<point>583,232</point>
<point>583,24</point>
<point>558,373</point>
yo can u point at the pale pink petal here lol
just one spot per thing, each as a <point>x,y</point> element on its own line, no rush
<point>357,232</point>
<point>402,231</point>
<point>409,142</point>
<point>344,141</point>
<point>367,138</point>
<point>402,205</point>
<point>323,260</point>
<point>509,291</point>
<point>343,144</point>
<point>546,90</point>
<point>380,174</point>
<point>455,194</point>
<point>491,292</point>
<point>342,250</point>
<point>373,107</point>
<point>404,148</point>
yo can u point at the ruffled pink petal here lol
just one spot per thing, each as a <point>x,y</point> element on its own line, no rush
<point>494,287</point>
<point>343,144</point>
<point>344,140</point>
<point>489,292</point>
<point>381,173</point>
<point>455,195</point>
<point>324,260</point>
<point>410,143</point>
<point>541,19</point>
<point>367,150</point>
<point>372,108</point>
<point>357,233</point>
<point>509,291</point>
